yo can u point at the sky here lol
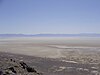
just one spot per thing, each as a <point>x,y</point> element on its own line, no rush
<point>49,16</point>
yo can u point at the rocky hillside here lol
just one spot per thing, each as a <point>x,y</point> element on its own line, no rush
<point>12,67</point>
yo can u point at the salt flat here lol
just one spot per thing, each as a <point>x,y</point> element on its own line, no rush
<point>48,46</point>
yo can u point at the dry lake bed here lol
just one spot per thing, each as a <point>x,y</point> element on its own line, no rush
<point>48,47</point>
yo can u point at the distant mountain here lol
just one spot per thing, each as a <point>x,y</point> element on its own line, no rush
<point>52,35</point>
<point>69,35</point>
<point>15,35</point>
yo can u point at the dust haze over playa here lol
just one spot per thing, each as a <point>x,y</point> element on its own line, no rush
<point>47,46</point>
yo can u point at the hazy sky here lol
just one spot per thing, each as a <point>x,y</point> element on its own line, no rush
<point>49,16</point>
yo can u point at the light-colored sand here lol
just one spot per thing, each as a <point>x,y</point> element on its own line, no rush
<point>46,47</point>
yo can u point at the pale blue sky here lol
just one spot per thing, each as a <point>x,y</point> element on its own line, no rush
<point>49,16</point>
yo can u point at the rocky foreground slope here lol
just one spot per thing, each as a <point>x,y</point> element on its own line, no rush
<point>16,64</point>
<point>9,66</point>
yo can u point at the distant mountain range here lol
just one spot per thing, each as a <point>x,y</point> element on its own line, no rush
<point>51,35</point>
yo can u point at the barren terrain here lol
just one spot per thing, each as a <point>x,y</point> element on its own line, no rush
<point>55,56</point>
<point>47,47</point>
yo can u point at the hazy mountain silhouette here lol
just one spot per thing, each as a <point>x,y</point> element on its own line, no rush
<point>51,35</point>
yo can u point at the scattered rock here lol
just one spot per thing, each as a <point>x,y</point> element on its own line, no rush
<point>13,67</point>
<point>1,72</point>
<point>28,68</point>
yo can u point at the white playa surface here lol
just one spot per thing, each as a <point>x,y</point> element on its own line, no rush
<point>47,47</point>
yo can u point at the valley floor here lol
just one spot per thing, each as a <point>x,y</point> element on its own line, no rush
<point>53,56</point>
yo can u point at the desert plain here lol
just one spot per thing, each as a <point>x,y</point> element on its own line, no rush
<point>52,47</point>
<point>56,55</point>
